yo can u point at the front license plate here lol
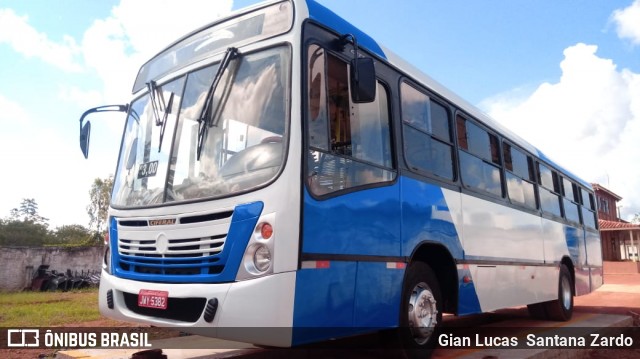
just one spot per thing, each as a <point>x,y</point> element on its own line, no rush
<point>156,299</point>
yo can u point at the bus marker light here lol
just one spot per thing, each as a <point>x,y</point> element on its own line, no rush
<point>396,265</point>
<point>266,230</point>
<point>315,264</point>
<point>466,279</point>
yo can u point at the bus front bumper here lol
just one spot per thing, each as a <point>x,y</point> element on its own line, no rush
<point>258,311</point>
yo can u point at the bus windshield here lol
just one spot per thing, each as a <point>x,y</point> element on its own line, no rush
<point>244,143</point>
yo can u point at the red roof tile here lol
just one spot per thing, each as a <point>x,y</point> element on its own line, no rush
<point>616,226</point>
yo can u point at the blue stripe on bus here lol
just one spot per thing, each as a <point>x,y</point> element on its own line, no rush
<point>385,221</point>
<point>324,299</point>
<point>468,302</point>
<point>426,217</point>
<point>327,306</point>
<point>325,16</point>
<point>360,223</point>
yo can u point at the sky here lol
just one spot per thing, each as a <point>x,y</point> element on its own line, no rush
<point>565,75</point>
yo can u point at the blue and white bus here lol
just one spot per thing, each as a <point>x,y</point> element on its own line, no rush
<point>281,169</point>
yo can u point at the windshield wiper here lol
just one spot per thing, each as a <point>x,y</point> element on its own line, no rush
<point>205,120</point>
<point>157,105</point>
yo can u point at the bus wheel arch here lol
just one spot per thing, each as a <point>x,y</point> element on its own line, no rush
<point>444,267</point>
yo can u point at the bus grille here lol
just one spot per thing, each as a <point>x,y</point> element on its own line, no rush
<point>183,249</point>
<point>189,256</point>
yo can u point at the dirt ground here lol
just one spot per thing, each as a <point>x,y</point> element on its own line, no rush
<point>619,295</point>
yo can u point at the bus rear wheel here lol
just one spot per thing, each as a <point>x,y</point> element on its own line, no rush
<point>421,311</point>
<point>561,309</point>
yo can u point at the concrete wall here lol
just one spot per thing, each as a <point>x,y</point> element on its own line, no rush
<point>18,265</point>
<point>621,267</point>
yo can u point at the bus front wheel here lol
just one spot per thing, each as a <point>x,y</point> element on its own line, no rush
<point>421,312</point>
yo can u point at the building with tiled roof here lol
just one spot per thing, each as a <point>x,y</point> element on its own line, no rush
<point>620,239</point>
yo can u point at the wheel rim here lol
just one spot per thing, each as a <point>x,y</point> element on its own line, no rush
<point>566,293</point>
<point>422,313</point>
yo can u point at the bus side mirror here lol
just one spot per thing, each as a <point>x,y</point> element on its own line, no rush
<point>363,80</point>
<point>85,134</point>
<point>85,130</point>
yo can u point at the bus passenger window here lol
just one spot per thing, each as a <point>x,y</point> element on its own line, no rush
<point>350,145</point>
<point>549,190</point>
<point>588,209</point>
<point>571,199</point>
<point>520,177</point>
<point>479,157</point>
<point>428,145</point>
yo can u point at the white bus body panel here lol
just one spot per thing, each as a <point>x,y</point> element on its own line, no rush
<point>241,305</point>
<point>498,235</point>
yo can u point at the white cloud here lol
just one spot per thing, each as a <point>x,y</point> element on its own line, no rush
<point>84,99</point>
<point>116,47</point>
<point>627,22</point>
<point>24,39</point>
<point>12,113</point>
<point>589,121</point>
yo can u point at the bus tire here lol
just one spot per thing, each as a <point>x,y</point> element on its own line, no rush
<point>537,311</point>
<point>417,332</point>
<point>561,309</point>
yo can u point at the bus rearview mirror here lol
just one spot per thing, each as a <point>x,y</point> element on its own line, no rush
<point>85,134</point>
<point>363,80</point>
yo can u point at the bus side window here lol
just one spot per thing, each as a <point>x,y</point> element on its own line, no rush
<point>351,145</point>
<point>570,201</point>
<point>520,177</point>
<point>428,143</point>
<point>479,157</point>
<point>588,208</point>
<point>549,190</point>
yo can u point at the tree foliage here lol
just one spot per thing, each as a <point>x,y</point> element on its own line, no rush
<point>26,227</point>
<point>23,233</point>
<point>28,212</point>
<point>73,234</point>
<point>98,207</point>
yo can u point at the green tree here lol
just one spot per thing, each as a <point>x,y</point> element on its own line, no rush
<point>23,233</point>
<point>25,226</point>
<point>74,234</point>
<point>99,204</point>
<point>28,212</point>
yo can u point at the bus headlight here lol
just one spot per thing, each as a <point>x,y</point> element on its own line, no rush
<point>257,259</point>
<point>262,258</point>
<point>259,256</point>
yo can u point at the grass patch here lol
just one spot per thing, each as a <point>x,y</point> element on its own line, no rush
<point>42,309</point>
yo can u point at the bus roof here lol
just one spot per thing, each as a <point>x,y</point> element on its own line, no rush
<point>328,18</point>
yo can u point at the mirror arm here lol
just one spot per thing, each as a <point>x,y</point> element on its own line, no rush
<point>107,108</point>
<point>86,129</point>
<point>344,40</point>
